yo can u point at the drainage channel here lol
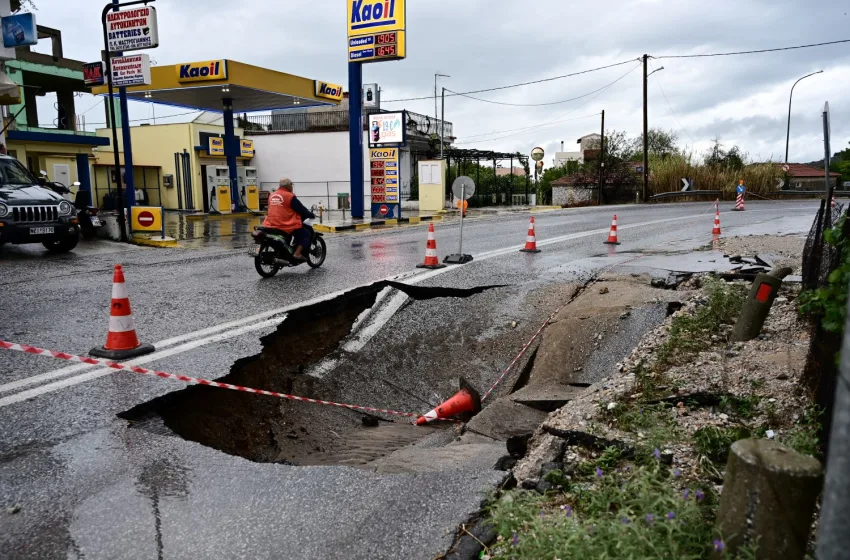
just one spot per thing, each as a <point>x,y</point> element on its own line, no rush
<point>267,429</point>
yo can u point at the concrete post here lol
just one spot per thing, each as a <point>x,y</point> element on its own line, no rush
<point>756,307</point>
<point>769,494</point>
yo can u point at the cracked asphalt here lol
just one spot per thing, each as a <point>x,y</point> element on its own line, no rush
<point>84,483</point>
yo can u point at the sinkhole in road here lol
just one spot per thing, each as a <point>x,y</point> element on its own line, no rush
<point>270,429</point>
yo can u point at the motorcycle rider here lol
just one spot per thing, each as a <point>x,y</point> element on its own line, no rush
<point>286,214</point>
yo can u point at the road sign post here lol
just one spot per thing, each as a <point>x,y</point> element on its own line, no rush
<point>463,188</point>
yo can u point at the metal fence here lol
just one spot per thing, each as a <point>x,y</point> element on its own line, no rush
<point>333,121</point>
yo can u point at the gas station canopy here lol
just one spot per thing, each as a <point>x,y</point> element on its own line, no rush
<point>205,85</point>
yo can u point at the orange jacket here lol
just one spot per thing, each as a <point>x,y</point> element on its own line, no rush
<point>281,214</point>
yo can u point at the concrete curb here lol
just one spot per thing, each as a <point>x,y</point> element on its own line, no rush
<point>383,224</point>
<point>159,242</point>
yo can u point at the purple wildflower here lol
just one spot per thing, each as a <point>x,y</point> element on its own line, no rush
<point>686,493</point>
<point>599,472</point>
<point>719,546</point>
<point>657,453</point>
<point>542,514</point>
<point>515,539</point>
<point>699,495</point>
<point>568,511</point>
<point>649,518</point>
<point>677,473</point>
<point>671,516</point>
<point>626,521</point>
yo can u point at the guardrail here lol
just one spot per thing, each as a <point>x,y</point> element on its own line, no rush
<point>686,193</point>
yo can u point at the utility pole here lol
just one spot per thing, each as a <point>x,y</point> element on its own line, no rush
<point>645,196</point>
<point>436,116</point>
<point>602,160</point>
<point>443,123</point>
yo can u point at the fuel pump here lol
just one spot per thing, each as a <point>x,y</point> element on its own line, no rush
<point>249,189</point>
<point>218,183</point>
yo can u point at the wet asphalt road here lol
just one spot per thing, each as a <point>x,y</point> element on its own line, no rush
<point>89,485</point>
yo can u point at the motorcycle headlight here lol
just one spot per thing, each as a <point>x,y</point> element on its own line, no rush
<point>65,208</point>
<point>4,210</point>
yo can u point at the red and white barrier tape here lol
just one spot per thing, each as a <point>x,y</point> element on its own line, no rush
<point>186,379</point>
<point>546,323</point>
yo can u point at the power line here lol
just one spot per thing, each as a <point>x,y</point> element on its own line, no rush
<point>527,104</point>
<point>559,119</point>
<point>515,85</point>
<point>160,117</point>
<point>753,52</point>
<point>521,129</point>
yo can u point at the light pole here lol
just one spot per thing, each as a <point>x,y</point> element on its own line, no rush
<point>435,96</point>
<point>790,97</point>
<point>645,58</point>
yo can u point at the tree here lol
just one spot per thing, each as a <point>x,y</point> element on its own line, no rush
<point>661,143</point>
<point>718,157</point>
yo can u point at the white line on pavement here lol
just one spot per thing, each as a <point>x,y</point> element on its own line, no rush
<point>100,372</point>
<point>241,326</point>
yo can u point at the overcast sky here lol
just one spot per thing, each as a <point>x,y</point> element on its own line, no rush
<point>742,100</point>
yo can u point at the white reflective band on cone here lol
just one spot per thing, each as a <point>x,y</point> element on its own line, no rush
<point>121,324</point>
<point>119,291</point>
<point>430,416</point>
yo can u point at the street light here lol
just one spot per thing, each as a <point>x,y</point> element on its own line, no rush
<point>790,97</point>
<point>654,71</point>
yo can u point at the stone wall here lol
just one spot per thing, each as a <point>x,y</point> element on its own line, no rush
<point>570,196</point>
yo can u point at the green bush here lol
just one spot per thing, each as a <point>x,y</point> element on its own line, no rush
<point>829,304</point>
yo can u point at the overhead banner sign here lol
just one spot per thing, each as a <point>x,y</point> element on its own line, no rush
<point>216,146</point>
<point>386,129</point>
<point>93,74</point>
<point>207,70</point>
<point>246,148</point>
<point>376,30</point>
<point>19,30</point>
<point>328,91</point>
<point>132,29</point>
<point>131,70</point>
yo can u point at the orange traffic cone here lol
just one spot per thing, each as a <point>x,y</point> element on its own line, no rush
<point>612,235</point>
<point>531,239</point>
<point>716,230</point>
<point>467,400</point>
<point>121,340</point>
<point>431,260</point>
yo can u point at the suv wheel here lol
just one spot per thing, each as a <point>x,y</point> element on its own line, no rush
<point>61,245</point>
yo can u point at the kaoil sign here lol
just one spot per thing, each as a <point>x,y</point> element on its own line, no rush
<point>202,71</point>
<point>366,17</point>
<point>328,91</point>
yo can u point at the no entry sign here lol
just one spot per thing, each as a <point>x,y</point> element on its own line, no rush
<point>146,219</point>
<point>384,209</point>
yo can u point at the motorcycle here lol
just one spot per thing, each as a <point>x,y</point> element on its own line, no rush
<point>275,250</point>
<point>89,220</point>
<point>87,215</point>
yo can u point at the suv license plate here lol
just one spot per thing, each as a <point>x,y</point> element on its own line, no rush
<point>95,221</point>
<point>41,230</point>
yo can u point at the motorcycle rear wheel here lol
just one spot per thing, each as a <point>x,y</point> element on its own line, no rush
<point>263,269</point>
<point>317,253</point>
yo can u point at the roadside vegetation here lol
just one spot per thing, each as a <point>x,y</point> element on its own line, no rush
<point>633,501</point>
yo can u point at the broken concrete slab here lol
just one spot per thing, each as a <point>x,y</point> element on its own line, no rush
<point>546,396</point>
<point>505,418</point>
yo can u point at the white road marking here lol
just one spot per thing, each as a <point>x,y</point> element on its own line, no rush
<point>240,329</point>
<point>100,372</point>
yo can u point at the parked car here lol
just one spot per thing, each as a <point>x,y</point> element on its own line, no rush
<point>31,213</point>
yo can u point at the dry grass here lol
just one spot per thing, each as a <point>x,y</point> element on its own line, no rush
<point>666,176</point>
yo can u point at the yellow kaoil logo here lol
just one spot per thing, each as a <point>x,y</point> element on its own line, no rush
<point>328,91</point>
<point>375,16</point>
<point>388,153</point>
<point>202,71</point>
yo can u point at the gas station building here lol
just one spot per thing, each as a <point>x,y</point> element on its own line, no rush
<point>191,166</point>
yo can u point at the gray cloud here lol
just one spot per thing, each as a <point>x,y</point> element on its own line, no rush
<point>480,43</point>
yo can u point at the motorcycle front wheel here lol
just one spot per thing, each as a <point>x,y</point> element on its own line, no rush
<point>265,256</point>
<point>317,253</point>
